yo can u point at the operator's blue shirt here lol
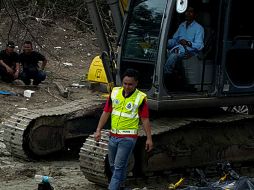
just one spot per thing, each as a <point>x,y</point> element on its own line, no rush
<point>193,33</point>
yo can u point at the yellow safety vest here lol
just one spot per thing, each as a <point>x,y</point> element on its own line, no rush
<point>124,116</point>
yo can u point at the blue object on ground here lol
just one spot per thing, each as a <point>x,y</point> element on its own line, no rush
<point>3,92</point>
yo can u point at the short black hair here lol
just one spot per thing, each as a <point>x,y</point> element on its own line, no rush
<point>10,44</point>
<point>28,42</point>
<point>131,73</point>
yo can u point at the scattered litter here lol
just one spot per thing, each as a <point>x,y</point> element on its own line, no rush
<point>28,93</point>
<point>3,92</point>
<point>22,109</point>
<point>67,64</point>
<point>228,180</point>
<point>88,54</point>
<point>76,85</point>
<point>57,47</point>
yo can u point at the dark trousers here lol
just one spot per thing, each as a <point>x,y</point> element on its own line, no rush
<point>37,76</point>
<point>5,76</point>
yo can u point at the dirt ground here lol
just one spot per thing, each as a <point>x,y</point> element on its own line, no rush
<point>69,53</point>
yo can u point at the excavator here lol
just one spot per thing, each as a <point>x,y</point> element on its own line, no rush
<point>189,127</point>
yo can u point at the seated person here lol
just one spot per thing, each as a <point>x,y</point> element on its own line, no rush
<point>29,60</point>
<point>9,66</point>
<point>187,41</point>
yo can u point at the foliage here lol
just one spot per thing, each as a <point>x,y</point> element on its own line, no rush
<point>30,17</point>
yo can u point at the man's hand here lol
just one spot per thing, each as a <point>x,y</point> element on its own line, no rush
<point>97,135</point>
<point>16,74</point>
<point>183,42</point>
<point>149,145</point>
<point>9,70</point>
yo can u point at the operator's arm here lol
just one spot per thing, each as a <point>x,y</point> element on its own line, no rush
<point>194,40</point>
<point>198,42</point>
<point>174,41</point>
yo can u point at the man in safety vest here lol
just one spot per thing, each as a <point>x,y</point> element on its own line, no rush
<point>126,105</point>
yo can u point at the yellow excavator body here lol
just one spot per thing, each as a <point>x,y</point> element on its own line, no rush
<point>97,72</point>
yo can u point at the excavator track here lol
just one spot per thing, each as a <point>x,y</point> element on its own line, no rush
<point>170,154</point>
<point>93,158</point>
<point>22,129</point>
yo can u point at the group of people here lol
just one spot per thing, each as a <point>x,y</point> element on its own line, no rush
<point>24,66</point>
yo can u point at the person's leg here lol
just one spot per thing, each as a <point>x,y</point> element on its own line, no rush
<point>39,76</point>
<point>112,148</point>
<point>25,77</point>
<point>124,150</point>
<point>6,77</point>
<point>170,63</point>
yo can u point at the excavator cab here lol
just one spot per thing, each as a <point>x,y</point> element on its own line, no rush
<point>220,75</point>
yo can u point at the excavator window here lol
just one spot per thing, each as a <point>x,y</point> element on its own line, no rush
<point>141,40</point>
<point>144,30</point>
<point>240,38</point>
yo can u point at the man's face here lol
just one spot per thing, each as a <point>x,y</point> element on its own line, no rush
<point>190,14</point>
<point>9,50</point>
<point>27,48</point>
<point>129,84</point>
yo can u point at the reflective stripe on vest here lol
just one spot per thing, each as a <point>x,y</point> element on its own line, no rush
<point>124,132</point>
<point>118,113</point>
<point>115,92</point>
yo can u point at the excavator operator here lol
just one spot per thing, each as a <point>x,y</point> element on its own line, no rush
<point>187,41</point>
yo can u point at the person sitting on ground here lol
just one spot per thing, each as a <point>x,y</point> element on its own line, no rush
<point>29,60</point>
<point>9,64</point>
<point>187,41</point>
